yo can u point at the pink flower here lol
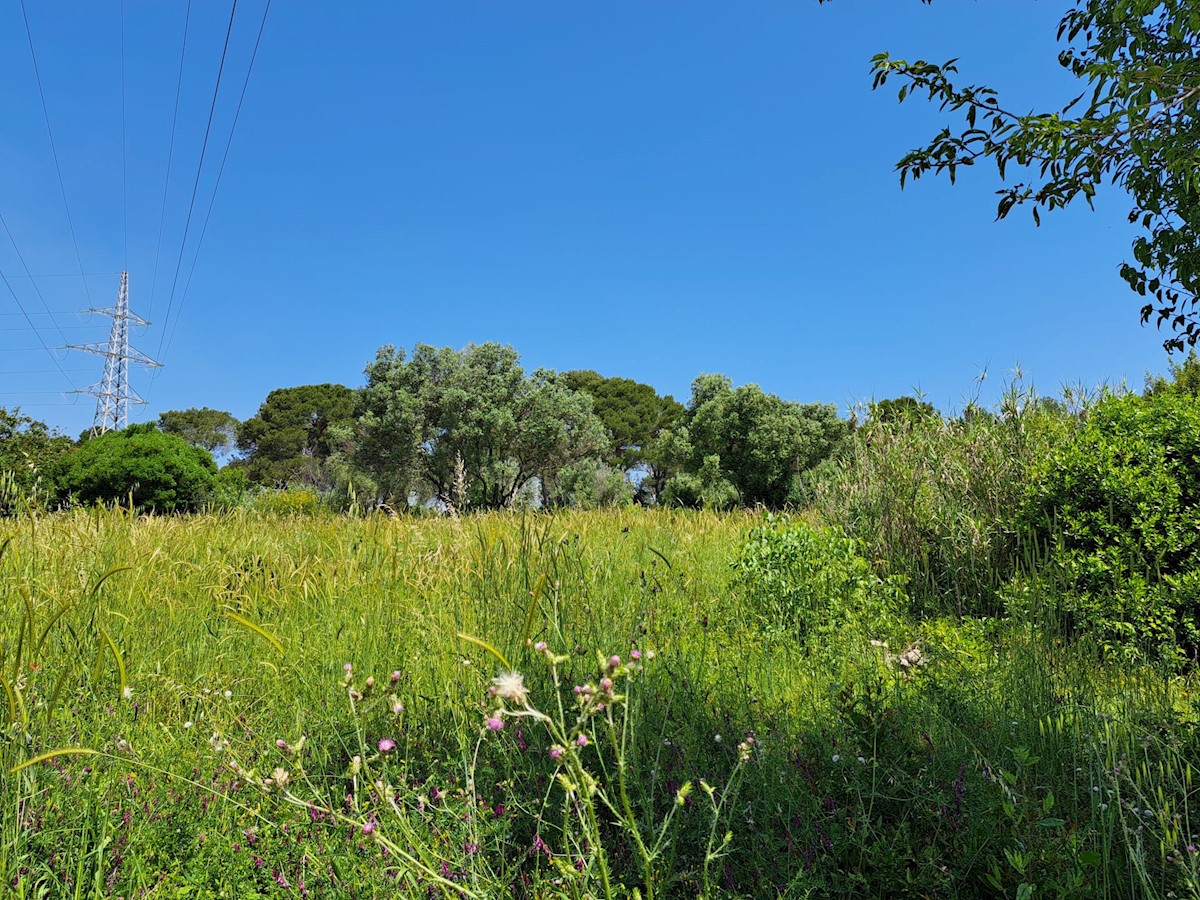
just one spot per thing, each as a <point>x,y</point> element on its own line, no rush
<point>582,740</point>
<point>347,668</point>
<point>368,828</point>
<point>556,752</point>
<point>386,745</point>
<point>635,655</point>
<point>282,745</point>
<point>614,661</point>
<point>540,646</point>
<point>495,723</point>
<point>395,676</point>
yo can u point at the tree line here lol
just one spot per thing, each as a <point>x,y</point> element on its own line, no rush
<point>437,427</point>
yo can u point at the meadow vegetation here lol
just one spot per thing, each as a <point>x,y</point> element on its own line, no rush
<point>963,667</point>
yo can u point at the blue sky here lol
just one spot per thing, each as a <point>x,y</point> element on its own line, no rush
<point>647,189</point>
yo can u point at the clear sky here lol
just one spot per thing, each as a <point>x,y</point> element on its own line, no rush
<point>647,189</point>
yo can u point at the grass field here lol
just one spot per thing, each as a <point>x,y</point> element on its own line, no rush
<point>186,681</point>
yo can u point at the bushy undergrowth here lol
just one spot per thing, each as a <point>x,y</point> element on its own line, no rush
<point>207,683</point>
<point>800,580</point>
<point>1117,511</point>
<point>937,501</point>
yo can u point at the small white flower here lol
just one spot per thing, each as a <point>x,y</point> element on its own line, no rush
<point>836,757</point>
<point>187,724</point>
<point>228,694</point>
<point>716,739</point>
<point>127,693</point>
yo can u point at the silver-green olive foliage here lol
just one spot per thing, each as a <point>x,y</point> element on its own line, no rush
<point>1133,126</point>
<point>743,445</point>
<point>469,426</point>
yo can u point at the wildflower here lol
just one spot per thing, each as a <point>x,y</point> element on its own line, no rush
<point>1191,848</point>
<point>606,685</point>
<point>471,848</point>
<point>386,745</point>
<point>227,694</point>
<point>368,828</point>
<point>582,740</point>
<point>511,686</point>
<point>187,725</point>
<point>370,682</point>
<point>395,676</point>
<point>556,753</point>
<point>717,738</point>
<point>836,757</point>
<point>127,693</point>
<point>397,708</point>
<point>280,777</point>
<point>635,655</point>
<point>614,661</point>
<point>540,646</point>
<point>495,723</point>
<point>217,742</point>
<point>347,668</point>
<point>283,745</point>
<point>355,695</point>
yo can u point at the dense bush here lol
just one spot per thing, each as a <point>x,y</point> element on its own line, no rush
<point>140,464</point>
<point>938,501</point>
<point>1119,508</point>
<point>800,579</point>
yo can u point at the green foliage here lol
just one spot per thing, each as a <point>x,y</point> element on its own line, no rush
<point>902,409</point>
<point>591,484</point>
<point>213,429</point>
<point>155,471</point>
<point>469,427</point>
<point>28,448</point>
<point>294,433</point>
<point>633,413</point>
<point>1119,506</point>
<point>1137,128</point>
<point>231,488</point>
<point>748,441</point>
<point>805,580</point>
<point>1008,759</point>
<point>939,501</point>
<point>1185,378</point>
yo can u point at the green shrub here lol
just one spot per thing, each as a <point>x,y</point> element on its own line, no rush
<point>155,471</point>
<point>797,578</point>
<point>937,501</point>
<point>1119,508</point>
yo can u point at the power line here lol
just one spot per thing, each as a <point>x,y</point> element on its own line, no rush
<point>37,289</point>
<point>53,149</point>
<point>45,347</point>
<point>33,328</point>
<point>220,172</point>
<point>39,371</point>
<point>124,144</point>
<point>162,216</point>
<point>66,274</point>
<point>199,168</point>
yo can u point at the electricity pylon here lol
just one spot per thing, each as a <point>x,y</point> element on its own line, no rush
<point>113,394</point>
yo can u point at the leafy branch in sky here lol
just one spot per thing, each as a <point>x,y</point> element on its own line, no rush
<point>1133,126</point>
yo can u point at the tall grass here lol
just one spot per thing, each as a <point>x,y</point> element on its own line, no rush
<point>1006,762</point>
<point>935,499</point>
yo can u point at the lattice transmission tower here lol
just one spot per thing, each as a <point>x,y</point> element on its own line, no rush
<point>113,394</point>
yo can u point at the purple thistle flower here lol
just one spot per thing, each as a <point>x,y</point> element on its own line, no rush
<point>386,745</point>
<point>495,723</point>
